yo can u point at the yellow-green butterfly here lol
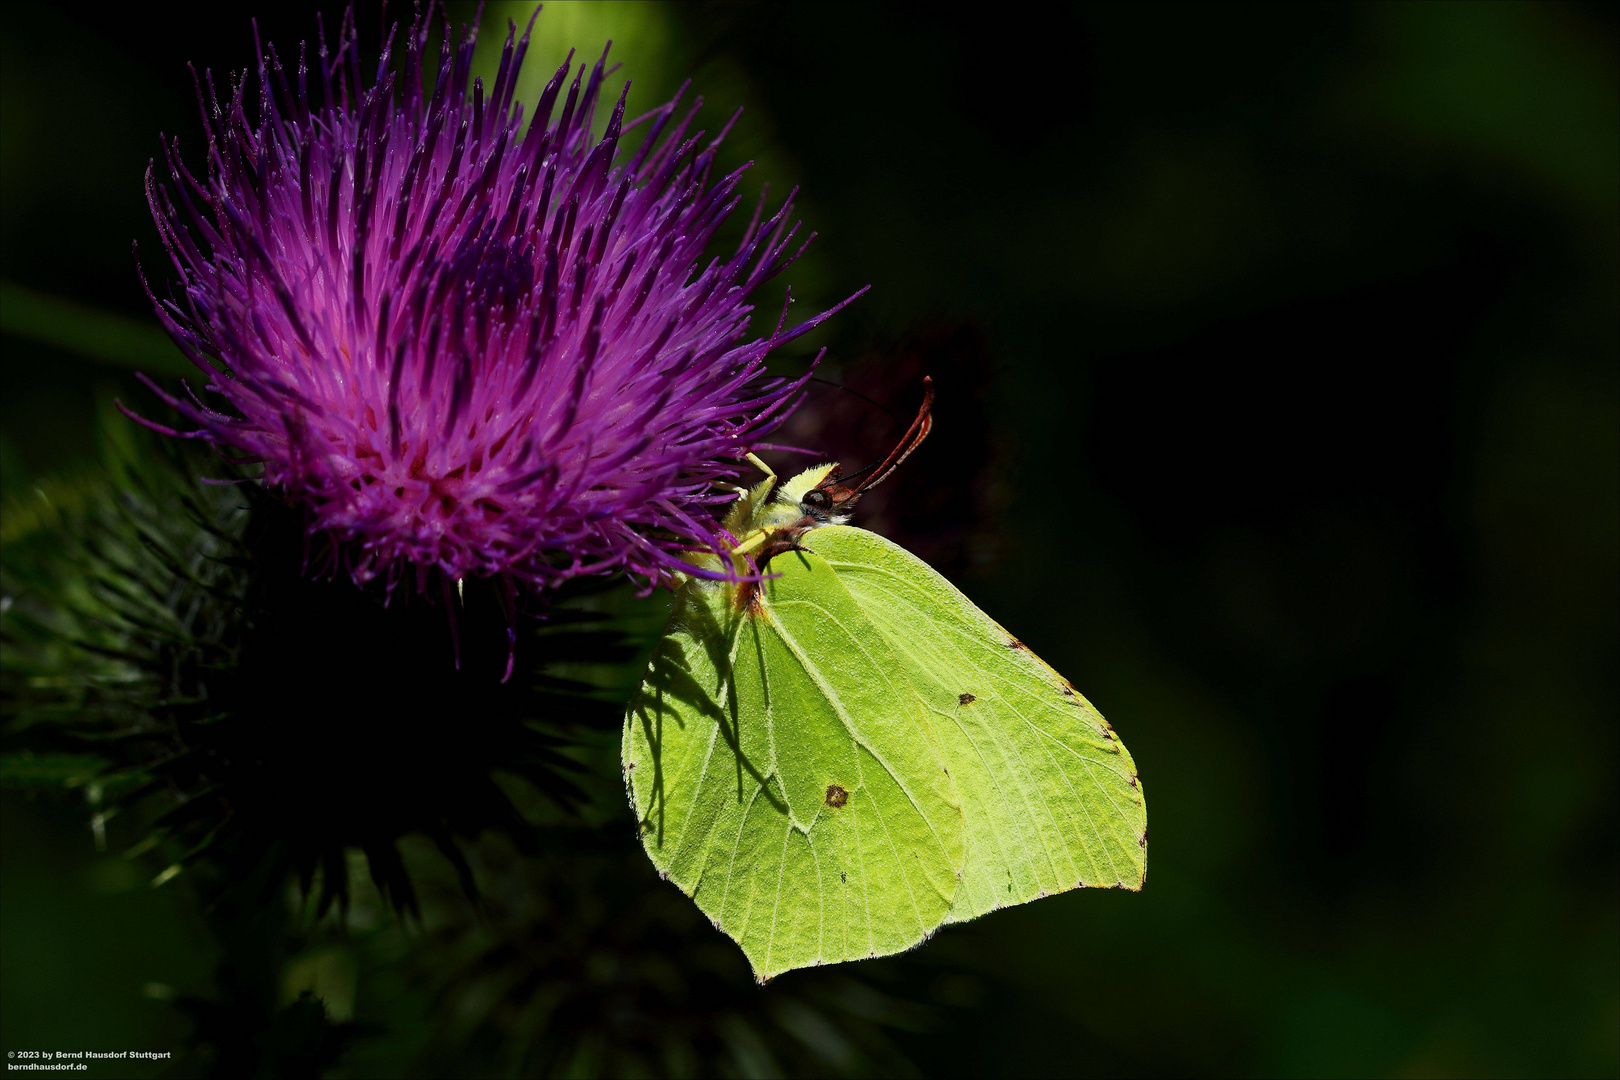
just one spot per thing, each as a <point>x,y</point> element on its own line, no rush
<point>838,759</point>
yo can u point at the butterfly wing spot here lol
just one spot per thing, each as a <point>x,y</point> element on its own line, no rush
<point>843,879</point>
<point>966,699</point>
<point>1131,780</point>
<point>836,796</point>
<point>1014,643</point>
<point>1141,841</point>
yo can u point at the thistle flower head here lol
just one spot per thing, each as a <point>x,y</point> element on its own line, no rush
<point>466,343</point>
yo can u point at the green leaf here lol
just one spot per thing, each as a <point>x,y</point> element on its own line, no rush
<point>798,752</point>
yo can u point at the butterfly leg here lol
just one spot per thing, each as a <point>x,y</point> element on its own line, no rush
<point>770,474</point>
<point>747,514</point>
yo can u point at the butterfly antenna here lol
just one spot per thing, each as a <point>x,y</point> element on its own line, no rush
<point>915,434</point>
<point>884,409</point>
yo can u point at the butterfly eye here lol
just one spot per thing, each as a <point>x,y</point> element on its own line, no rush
<point>817,499</point>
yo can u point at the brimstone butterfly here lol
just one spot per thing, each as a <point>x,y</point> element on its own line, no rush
<point>838,759</point>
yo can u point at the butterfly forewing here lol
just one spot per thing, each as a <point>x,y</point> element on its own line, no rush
<point>785,774</point>
<point>1050,795</point>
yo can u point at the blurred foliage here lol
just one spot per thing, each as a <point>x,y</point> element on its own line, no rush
<point>1294,440</point>
<point>583,963</point>
<point>75,328</point>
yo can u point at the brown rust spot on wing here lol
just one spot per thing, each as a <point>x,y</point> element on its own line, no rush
<point>836,796</point>
<point>966,699</point>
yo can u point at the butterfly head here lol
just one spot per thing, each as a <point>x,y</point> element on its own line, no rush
<point>817,494</point>
<point>769,525</point>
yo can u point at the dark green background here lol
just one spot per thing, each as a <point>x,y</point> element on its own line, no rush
<point>1304,324</point>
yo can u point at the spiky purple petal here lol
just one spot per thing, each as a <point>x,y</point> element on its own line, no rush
<point>467,345</point>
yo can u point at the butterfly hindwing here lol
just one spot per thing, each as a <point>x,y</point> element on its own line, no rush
<point>785,774</point>
<point>1050,796</point>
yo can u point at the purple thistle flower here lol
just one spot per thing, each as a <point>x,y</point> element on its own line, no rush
<point>465,345</point>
